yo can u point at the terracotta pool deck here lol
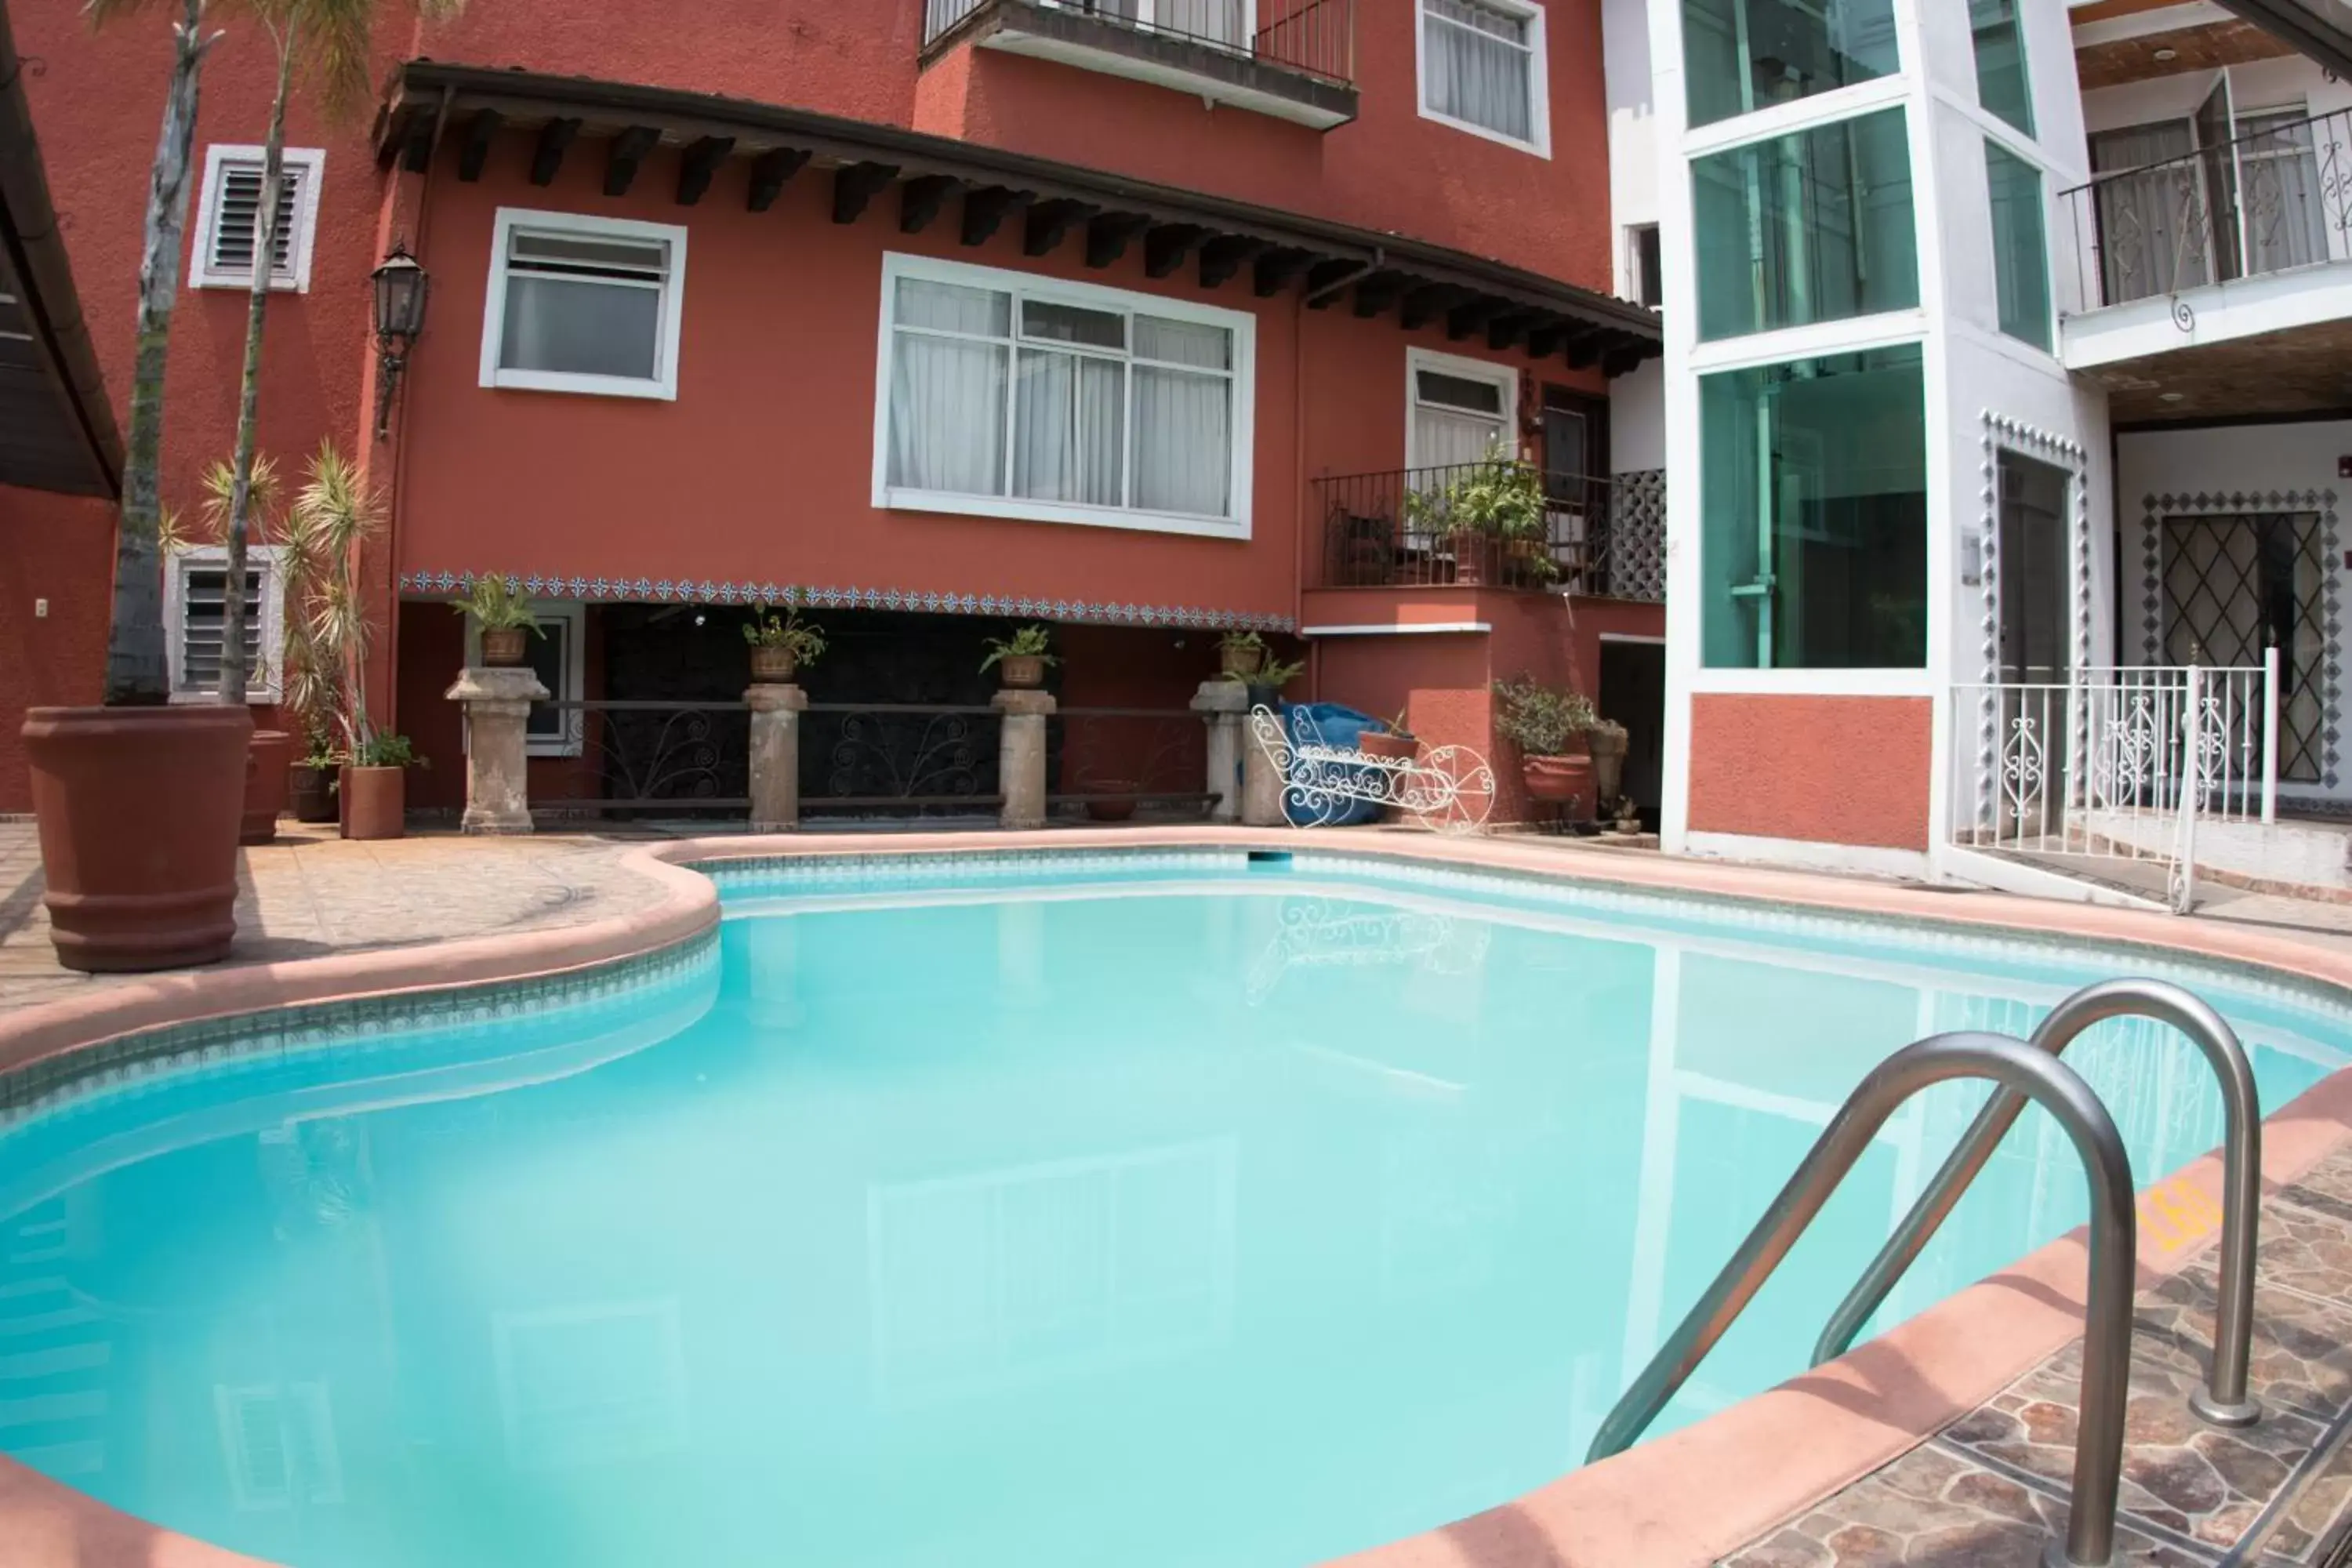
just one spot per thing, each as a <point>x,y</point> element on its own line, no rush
<point>1946,1442</point>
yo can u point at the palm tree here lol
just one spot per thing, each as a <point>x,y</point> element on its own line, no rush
<point>135,643</point>
<point>330,38</point>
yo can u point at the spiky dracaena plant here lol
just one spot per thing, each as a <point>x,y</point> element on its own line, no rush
<point>333,514</point>
<point>329,41</point>
<point>135,643</point>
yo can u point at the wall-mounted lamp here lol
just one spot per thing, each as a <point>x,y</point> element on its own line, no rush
<point>401,285</point>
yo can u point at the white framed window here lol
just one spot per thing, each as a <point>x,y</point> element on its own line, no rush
<point>279,1440</point>
<point>584,304</point>
<point>228,218</point>
<point>1003,394</point>
<point>1457,410</point>
<point>598,1383</point>
<point>1483,70</point>
<point>1233,23</point>
<point>558,655</point>
<point>195,600</point>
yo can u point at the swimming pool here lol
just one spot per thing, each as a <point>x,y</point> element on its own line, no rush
<point>1163,1209</point>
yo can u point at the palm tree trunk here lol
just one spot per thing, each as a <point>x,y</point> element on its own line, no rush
<point>135,673</point>
<point>233,669</point>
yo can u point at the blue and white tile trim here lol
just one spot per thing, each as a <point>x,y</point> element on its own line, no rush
<point>151,1060</point>
<point>686,591</point>
<point>1755,919</point>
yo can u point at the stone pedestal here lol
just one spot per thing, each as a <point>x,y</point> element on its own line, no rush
<point>1021,755</point>
<point>498,780</point>
<point>775,756</point>
<point>1223,703</point>
<point>1262,784</point>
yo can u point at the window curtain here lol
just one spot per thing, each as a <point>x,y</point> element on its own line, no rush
<point>2284,224</point>
<point>1443,437</point>
<point>1475,65</point>
<point>947,394</point>
<point>2153,233</point>
<point>1183,418</point>
<point>1222,21</point>
<point>1069,419</point>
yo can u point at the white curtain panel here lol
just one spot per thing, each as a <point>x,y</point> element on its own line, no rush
<point>947,394</point>
<point>1183,418</point>
<point>1475,61</point>
<point>2154,233</point>
<point>1223,21</point>
<point>1441,438</point>
<point>2285,222</point>
<point>1068,421</point>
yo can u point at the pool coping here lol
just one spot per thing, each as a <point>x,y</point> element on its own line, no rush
<point>1690,1497</point>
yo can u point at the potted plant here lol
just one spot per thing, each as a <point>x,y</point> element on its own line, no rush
<point>1240,655</point>
<point>1497,498</point>
<point>1265,688</point>
<point>504,616</point>
<point>374,786</point>
<point>1020,661</point>
<point>1397,744</point>
<point>781,644</point>
<point>1549,727</point>
<point>310,782</point>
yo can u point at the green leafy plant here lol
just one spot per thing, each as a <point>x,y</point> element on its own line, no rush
<point>327,633</point>
<point>1278,673</point>
<point>497,608</point>
<point>385,750</point>
<point>804,641</point>
<point>1240,642</point>
<point>1541,720</point>
<point>1497,497</point>
<point>1029,642</point>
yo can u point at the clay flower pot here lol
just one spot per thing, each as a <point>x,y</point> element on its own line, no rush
<point>1116,804</point>
<point>310,794</point>
<point>1240,662</point>
<point>1388,744</point>
<point>503,647</point>
<point>138,812</point>
<point>773,666</point>
<point>374,803</point>
<point>1559,781</point>
<point>1022,671</point>
<point>265,785</point>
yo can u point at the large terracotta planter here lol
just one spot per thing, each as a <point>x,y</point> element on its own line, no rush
<point>375,802</point>
<point>1388,744</point>
<point>138,810</point>
<point>310,793</point>
<point>1561,781</point>
<point>265,785</point>
<point>1022,671</point>
<point>773,666</point>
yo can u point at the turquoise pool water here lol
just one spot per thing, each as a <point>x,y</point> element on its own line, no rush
<point>1190,1213</point>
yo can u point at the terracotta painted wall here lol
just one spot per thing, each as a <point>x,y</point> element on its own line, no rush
<point>1826,769</point>
<point>61,549</point>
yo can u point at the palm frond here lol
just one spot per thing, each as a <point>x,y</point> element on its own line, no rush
<point>219,482</point>
<point>335,40</point>
<point>170,535</point>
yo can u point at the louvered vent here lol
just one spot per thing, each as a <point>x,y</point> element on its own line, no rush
<point>238,212</point>
<point>203,602</point>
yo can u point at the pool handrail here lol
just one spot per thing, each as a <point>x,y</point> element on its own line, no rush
<point>2223,1400</point>
<point>2107,1341</point>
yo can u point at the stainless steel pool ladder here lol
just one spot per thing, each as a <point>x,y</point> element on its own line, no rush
<point>2224,1399</point>
<point>2025,1071</point>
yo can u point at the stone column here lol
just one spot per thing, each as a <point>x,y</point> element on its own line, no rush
<point>1021,755</point>
<point>1222,704</point>
<point>498,778</point>
<point>1262,784</point>
<point>775,756</point>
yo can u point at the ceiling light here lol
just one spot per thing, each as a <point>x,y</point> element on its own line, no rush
<point>2166,57</point>
<point>2172,396</point>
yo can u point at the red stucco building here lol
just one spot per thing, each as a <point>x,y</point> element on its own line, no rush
<point>948,314</point>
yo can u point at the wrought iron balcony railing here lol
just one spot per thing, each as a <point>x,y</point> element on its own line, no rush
<point>2279,196</point>
<point>1312,38</point>
<point>1433,527</point>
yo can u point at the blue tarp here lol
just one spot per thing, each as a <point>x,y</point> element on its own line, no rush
<point>1329,724</point>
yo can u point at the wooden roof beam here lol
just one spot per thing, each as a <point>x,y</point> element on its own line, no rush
<point>1108,236</point>
<point>855,187</point>
<point>625,152</point>
<point>481,129</point>
<point>984,211</point>
<point>1050,222</point>
<point>920,199</point>
<point>548,157</point>
<point>771,171</point>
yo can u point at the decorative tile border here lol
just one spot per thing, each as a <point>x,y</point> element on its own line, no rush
<point>1758,919</point>
<point>135,1065</point>
<point>663,590</point>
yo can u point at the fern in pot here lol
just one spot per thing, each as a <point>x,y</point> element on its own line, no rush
<point>781,644</point>
<point>504,617</point>
<point>1021,660</point>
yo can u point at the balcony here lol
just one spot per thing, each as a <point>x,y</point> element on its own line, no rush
<point>2218,275</point>
<point>1294,59</point>
<point>1489,525</point>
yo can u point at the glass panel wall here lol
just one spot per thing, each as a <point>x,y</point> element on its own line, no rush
<point>1814,226</point>
<point>2002,86</point>
<point>1813,489</point>
<point>1745,54</point>
<point>2021,255</point>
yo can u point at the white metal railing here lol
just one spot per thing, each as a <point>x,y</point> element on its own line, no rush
<point>2116,764</point>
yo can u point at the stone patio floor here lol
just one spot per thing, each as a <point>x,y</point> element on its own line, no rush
<point>1980,1494</point>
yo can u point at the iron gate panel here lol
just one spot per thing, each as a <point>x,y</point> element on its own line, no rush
<point>2233,583</point>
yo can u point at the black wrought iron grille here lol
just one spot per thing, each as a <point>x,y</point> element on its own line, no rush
<point>2236,583</point>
